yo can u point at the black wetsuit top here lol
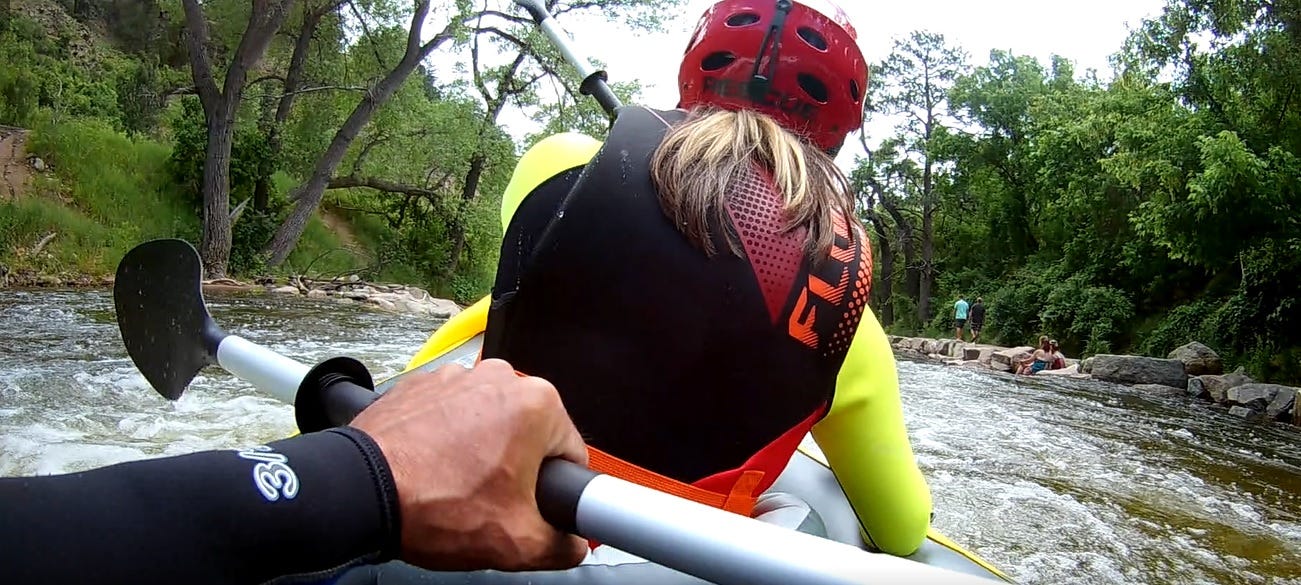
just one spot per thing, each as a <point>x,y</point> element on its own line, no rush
<point>304,508</point>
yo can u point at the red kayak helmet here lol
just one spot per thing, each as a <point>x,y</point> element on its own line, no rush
<point>786,59</point>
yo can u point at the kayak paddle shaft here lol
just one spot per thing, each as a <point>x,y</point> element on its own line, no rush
<point>594,80</point>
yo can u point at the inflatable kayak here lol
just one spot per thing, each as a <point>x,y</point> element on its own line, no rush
<point>806,497</point>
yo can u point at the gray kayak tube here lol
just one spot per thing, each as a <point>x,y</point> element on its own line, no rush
<point>806,497</point>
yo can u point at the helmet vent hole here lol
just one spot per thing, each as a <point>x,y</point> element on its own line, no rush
<point>716,61</point>
<point>813,86</point>
<point>742,19</point>
<point>853,91</point>
<point>813,38</point>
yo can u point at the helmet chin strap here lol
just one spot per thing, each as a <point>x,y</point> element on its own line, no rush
<point>761,81</point>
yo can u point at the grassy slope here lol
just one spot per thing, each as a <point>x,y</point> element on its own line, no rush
<point>106,193</point>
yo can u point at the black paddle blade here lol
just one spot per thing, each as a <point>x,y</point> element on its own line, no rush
<point>165,326</point>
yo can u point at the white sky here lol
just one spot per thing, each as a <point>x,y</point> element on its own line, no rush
<point>1086,33</point>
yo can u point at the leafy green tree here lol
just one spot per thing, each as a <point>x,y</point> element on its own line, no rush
<point>913,84</point>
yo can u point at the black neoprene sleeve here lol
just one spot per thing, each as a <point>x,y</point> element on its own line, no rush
<point>296,510</point>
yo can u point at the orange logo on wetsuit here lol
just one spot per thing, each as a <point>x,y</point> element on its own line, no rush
<point>827,312</point>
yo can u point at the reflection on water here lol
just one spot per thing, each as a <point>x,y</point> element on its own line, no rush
<point>1055,481</point>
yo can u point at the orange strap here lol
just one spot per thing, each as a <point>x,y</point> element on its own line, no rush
<point>740,500</point>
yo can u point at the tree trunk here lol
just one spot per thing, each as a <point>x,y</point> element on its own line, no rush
<point>307,197</point>
<point>927,269</point>
<point>506,87</point>
<point>468,191</point>
<point>928,211</point>
<point>219,107</point>
<point>214,249</point>
<point>928,234</point>
<point>883,287</point>
<point>912,272</point>
<point>293,80</point>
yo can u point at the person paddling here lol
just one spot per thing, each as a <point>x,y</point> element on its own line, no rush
<point>696,286</point>
<point>398,482</point>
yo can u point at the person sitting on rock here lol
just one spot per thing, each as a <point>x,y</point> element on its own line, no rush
<point>1039,360</point>
<point>1055,353</point>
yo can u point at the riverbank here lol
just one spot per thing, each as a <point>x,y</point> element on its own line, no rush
<point>1192,371</point>
<point>391,298</point>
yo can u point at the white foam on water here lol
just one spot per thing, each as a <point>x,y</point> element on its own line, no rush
<point>1040,471</point>
<point>1055,481</point>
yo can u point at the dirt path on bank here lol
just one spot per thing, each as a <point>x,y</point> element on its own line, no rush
<point>341,228</point>
<point>13,162</point>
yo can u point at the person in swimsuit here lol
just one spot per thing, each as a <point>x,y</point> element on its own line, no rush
<point>1037,361</point>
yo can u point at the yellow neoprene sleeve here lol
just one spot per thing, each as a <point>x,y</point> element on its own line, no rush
<point>866,444</point>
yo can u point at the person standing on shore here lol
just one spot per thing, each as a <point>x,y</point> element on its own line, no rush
<point>977,319</point>
<point>960,315</point>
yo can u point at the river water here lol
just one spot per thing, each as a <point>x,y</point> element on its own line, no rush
<point>1054,481</point>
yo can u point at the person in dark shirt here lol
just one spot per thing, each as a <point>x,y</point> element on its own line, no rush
<point>977,319</point>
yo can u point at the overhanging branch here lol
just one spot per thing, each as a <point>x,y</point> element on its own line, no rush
<point>352,181</point>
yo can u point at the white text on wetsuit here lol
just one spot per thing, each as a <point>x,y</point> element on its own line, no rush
<point>272,475</point>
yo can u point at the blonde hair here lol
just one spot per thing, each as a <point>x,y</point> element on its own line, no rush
<point>714,151</point>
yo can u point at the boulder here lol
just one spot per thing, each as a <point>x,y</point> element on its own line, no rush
<point>1280,408</point>
<point>1072,370</point>
<point>1244,412</point>
<point>980,353</point>
<point>1160,390</point>
<point>1216,388</point>
<point>1198,359</point>
<point>894,340</point>
<point>957,349</point>
<point>285,290</point>
<point>443,308</point>
<point>1255,396</point>
<point>1004,359</point>
<point>406,305</point>
<point>385,299</point>
<point>1086,366</point>
<point>1134,369</point>
<point>317,293</point>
